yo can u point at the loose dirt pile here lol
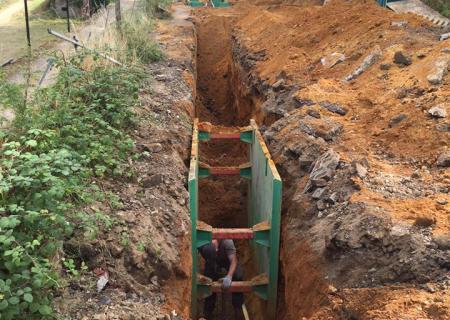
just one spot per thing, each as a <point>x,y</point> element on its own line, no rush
<point>346,94</point>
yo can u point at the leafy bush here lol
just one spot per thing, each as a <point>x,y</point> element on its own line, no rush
<point>69,133</point>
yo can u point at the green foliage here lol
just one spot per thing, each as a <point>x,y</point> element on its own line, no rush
<point>136,31</point>
<point>152,7</point>
<point>10,94</point>
<point>443,6</point>
<point>69,134</point>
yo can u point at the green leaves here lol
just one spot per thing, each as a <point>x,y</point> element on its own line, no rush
<point>28,297</point>
<point>67,135</point>
<point>45,310</point>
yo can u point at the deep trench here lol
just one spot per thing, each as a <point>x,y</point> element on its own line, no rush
<point>223,200</point>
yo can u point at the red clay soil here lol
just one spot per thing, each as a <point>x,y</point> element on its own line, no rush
<point>292,40</point>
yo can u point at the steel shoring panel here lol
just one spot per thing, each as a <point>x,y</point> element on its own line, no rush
<point>193,208</point>
<point>264,215</point>
<point>265,204</point>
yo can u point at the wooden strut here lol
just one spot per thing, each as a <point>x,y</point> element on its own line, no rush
<point>236,286</point>
<point>224,171</point>
<point>226,136</point>
<point>232,233</point>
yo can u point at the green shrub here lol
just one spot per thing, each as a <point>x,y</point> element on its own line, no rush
<point>68,134</point>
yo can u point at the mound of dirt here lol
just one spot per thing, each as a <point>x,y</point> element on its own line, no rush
<point>343,92</point>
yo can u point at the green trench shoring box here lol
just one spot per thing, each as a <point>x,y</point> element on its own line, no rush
<point>264,205</point>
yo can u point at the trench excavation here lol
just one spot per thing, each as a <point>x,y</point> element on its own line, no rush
<point>235,189</point>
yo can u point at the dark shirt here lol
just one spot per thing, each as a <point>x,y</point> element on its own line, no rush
<point>226,249</point>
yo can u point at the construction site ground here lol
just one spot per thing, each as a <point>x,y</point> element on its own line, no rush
<point>353,101</point>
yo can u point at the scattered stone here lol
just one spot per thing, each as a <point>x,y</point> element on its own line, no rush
<point>333,198</point>
<point>324,127</point>
<point>321,205</point>
<point>323,170</point>
<point>305,161</point>
<point>443,127</point>
<point>397,119</point>
<point>153,180</point>
<point>444,159</point>
<point>438,111</point>
<point>401,59</point>
<point>444,36</point>
<point>402,93</point>
<point>442,202</point>
<point>368,61</point>
<point>303,102</point>
<point>443,242</point>
<point>105,300</point>
<point>424,222</point>
<point>162,77</point>
<point>318,193</point>
<point>421,55</point>
<point>385,66</point>
<point>399,23</point>
<point>439,71</point>
<point>333,59</point>
<point>313,113</point>
<point>359,169</point>
<point>428,287</point>
<point>279,84</point>
<point>102,281</point>
<point>416,174</point>
<point>115,250</point>
<point>154,281</point>
<point>333,107</point>
<point>150,147</point>
<point>332,289</point>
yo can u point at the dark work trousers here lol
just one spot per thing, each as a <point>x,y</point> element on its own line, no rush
<point>212,268</point>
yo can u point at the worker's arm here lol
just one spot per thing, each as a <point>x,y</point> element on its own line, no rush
<point>233,265</point>
<point>226,282</point>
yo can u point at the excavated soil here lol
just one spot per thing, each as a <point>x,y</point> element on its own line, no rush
<point>365,225</point>
<point>365,166</point>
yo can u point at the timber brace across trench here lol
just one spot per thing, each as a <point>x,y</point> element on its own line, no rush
<point>264,214</point>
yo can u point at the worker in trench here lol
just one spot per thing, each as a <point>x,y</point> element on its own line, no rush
<point>221,264</point>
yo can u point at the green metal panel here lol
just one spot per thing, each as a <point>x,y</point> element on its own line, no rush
<point>246,172</point>
<point>204,136</point>
<point>203,238</point>
<point>262,238</point>
<point>265,204</point>
<point>247,136</point>
<point>193,208</point>
<point>203,173</point>
<point>196,4</point>
<point>220,4</point>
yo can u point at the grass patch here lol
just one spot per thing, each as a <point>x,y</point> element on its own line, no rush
<point>136,33</point>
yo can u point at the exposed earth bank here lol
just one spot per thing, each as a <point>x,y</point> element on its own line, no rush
<point>353,103</point>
